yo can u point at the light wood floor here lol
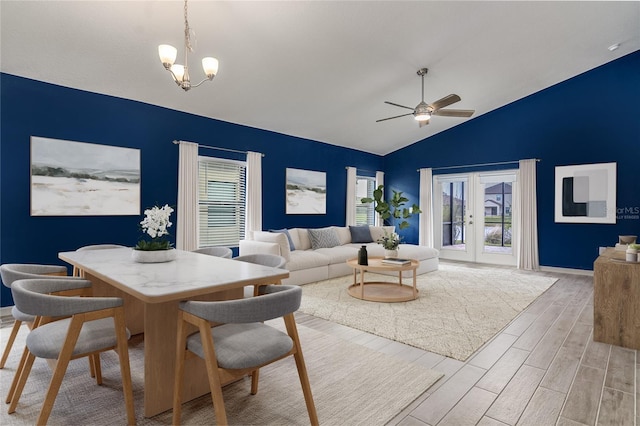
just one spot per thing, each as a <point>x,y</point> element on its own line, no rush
<point>542,369</point>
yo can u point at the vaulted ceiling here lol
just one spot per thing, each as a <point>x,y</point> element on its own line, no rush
<point>319,69</point>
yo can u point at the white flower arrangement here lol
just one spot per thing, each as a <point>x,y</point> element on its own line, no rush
<point>389,241</point>
<point>155,224</point>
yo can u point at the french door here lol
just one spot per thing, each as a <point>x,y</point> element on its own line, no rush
<point>474,216</point>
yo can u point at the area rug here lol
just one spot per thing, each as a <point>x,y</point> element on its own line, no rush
<point>351,385</point>
<point>459,307</point>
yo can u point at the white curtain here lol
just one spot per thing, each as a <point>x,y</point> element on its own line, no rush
<point>527,244</point>
<point>351,197</point>
<point>379,181</point>
<point>187,214</point>
<point>426,205</point>
<point>253,205</point>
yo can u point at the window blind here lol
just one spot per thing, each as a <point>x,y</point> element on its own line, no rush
<point>365,213</point>
<point>221,202</point>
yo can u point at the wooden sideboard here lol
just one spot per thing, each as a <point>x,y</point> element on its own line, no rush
<point>616,300</point>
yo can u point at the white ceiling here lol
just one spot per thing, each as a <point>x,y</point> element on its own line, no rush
<point>319,69</point>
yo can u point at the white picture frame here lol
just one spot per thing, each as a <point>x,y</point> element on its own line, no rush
<point>83,179</point>
<point>585,193</point>
<point>306,192</point>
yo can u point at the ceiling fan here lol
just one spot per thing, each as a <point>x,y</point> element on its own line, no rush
<point>423,111</point>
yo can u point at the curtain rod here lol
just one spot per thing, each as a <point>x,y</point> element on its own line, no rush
<point>177,142</point>
<point>362,170</point>
<point>480,164</point>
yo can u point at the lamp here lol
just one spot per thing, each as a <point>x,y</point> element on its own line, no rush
<point>180,73</point>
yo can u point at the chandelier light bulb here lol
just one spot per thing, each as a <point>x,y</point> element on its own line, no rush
<point>167,55</point>
<point>210,67</point>
<point>178,72</point>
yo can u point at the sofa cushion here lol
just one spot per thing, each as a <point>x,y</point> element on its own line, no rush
<point>377,232</point>
<point>323,238</point>
<point>339,254</point>
<point>344,236</point>
<point>285,232</point>
<point>274,237</point>
<point>360,234</point>
<point>306,259</point>
<point>300,238</point>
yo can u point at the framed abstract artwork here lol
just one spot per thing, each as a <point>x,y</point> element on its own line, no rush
<point>585,193</point>
<point>306,192</point>
<point>83,179</point>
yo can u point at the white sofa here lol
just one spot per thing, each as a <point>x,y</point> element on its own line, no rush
<point>306,264</point>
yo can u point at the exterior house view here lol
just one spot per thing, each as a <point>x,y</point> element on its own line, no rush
<point>498,314</point>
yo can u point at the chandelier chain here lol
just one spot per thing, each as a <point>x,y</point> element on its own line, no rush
<point>187,29</point>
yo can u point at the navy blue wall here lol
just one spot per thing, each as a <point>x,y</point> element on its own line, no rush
<point>588,119</point>
<point>33,108</point>
<point>591,118</point>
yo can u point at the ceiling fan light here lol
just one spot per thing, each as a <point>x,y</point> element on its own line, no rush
<point>167,55</point>
<point>210,66</point>
<point>425,116</point>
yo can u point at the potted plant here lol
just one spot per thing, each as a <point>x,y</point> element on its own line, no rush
<point>155,224</point>
<point>392,211</point>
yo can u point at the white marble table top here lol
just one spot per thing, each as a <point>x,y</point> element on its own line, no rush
<point>189,274</point>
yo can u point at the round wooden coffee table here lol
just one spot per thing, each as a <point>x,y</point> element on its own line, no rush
<point>380,291</point>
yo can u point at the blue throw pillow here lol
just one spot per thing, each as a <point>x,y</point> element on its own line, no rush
<point>292,247</point>
<point>360,234</point>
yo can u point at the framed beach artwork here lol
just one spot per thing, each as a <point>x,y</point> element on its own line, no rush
<point>306,192</point>
<point>586,193</point>
<point>83,179</point>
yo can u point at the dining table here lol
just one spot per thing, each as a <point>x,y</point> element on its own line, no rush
<point>152,293</point>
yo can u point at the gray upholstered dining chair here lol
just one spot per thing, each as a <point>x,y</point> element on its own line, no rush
<point>219,251</point>
<point>76,271</point>
<point>264,259</point>
<point>11,272</point>
<point>92,325</point>
<point>242,344</point>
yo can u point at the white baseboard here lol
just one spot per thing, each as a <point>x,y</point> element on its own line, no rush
<point>566,270</point>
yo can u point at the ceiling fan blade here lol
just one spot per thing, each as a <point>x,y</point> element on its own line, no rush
<point>454,112</point>
<point>423,123</point>
<point>401,106</point>
<point>446,101</point>
<point>390,118</point>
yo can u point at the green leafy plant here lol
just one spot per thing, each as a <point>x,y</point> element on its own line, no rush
<point>393,210</point>
<point>155,224</point>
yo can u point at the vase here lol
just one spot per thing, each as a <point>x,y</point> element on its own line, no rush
<point>390,253</point>
<point>153,256</point>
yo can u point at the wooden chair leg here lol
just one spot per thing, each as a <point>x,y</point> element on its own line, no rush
<point>97,368</point>
<point>12,338</point>
<point>292,330</point>
<point>212,371</point>
<point>255,375</point>
<point>16,377</point>
<point>125,368</point>
<point>179,372</point>
<point>92,368</point>
<point>19,381</point>
<point>61,368</point>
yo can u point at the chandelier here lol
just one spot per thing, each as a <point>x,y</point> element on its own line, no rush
<point>180,73</point>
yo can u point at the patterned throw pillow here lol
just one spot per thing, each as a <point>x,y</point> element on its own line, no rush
<point>323,238</point>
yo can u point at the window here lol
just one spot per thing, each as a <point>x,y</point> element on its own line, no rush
<point>221,202</point>
<point>365,213</point>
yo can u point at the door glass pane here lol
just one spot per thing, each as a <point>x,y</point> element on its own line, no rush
<point>497,217</point>
<point>454,207</point>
